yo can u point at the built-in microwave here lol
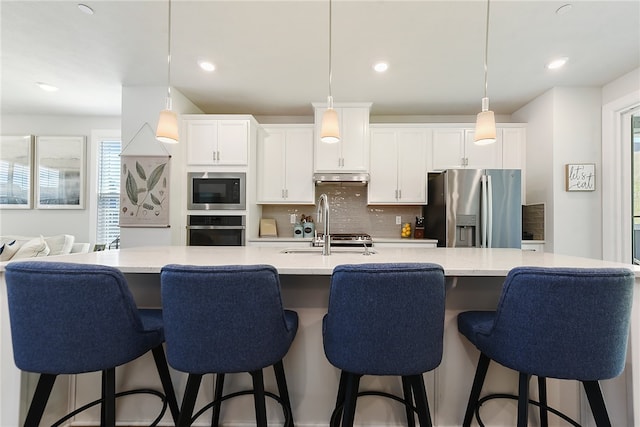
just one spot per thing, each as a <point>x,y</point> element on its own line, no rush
<point>216,190</point>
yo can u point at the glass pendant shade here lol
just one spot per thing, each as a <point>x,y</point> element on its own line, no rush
<point>167,130</point>
<point>485,128</point>
<point>330,130</point>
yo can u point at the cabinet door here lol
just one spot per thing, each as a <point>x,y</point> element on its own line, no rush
<point>412,166</point>
<point>299,186</point>
<point>448,148</point>
<point>383,184</point>
<point>233,142</point>
<point>202,141</point>
<point>355,137</point>
<point>271,158</point>
<point>483,156</point>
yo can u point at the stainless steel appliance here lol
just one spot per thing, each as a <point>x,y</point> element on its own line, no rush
<point>216,230</point>
<point>216,190</point>
<point>475,208</point>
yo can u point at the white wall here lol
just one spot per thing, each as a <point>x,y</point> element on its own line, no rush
<point>140,105</point>
<point>32,222</point>
<point>564,127</point>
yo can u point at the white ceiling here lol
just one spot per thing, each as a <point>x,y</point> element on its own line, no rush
<point>272,56</point>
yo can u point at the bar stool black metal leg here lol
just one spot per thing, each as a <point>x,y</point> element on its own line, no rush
<point>258,398</point>
<point>108,411</point>
<point>40,399</point>
<point>523,399</point>
<point>420,393</point>
<point>283,390</point>
<point>167,384</point>
<point>337,411</point>
<point>596,401</point>
<point>478,381</point>
<point>217,395</point>
<point>189,399</point>
<point>408,397</point>
<point>351,396</point>
<point>542,398</point>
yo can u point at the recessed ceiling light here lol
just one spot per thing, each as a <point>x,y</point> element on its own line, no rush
<point>206,66</point>
<point>565,8</point>
<point>47,87</point>
<point>381,67</point>
<point>557,63</point>
<point>86,9</point>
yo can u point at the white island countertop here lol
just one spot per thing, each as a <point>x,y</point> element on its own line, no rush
<point>455,261</point>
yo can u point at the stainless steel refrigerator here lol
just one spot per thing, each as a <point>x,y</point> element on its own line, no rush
<point>474,208</point>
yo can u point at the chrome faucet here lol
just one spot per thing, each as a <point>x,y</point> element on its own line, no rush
<point>323,215</point>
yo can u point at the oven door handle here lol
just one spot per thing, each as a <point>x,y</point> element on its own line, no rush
<point>216,227</point>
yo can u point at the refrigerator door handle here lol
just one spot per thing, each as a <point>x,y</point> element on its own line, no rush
<point>483,213</point>
<point>490,212</point>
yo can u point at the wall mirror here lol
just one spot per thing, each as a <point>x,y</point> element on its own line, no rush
<point>15,171</point>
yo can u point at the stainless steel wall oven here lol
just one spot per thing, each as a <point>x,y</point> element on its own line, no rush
<point>216,230</point>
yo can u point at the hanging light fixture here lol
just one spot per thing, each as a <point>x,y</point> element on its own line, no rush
<point>167,130</point>
<point>330,130</point>
<point>486,121</point>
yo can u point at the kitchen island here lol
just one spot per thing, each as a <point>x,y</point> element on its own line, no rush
<point>474,280</point>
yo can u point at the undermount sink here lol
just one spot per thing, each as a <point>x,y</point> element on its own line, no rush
<point>318,250</point>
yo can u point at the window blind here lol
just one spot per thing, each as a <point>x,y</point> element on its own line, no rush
<point>108,228</point>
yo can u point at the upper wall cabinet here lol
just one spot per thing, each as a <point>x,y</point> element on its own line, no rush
<point>398,164</point>
<point>216,141</point>
<point>285,164</point>
<point>454,147</point>
<point>351,154</point>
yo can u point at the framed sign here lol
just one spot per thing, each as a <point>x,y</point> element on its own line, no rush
<point>60,171</point>
<point>16,171</point>
<point>580,177</point>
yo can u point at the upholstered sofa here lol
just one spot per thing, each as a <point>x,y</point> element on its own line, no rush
<point>20,247</point>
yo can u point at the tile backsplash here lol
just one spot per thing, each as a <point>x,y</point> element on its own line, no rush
<point>349,213</point>
<point>533,221</point>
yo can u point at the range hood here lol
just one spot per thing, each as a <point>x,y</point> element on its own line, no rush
<point>341,178</point>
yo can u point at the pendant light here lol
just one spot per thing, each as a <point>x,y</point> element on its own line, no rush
<point>330,130</point>
<point>167,130</point>
<point>486,122</point>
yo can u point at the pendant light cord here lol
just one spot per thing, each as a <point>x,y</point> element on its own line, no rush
<point>486,53</point>
<point>330,67</point>
<point>169,61</point>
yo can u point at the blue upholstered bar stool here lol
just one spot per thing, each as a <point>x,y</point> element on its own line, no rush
<point>385,319</point>
<point>74,318</point>
<point>227,319</point>
<point>561,323</point>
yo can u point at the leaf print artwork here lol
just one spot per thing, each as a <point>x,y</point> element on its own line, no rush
<point>145,193</point>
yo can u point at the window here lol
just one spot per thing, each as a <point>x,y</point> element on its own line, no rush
<point>108,228</point>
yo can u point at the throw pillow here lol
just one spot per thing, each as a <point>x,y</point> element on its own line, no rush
<point>8,250</point>
<point>33,248</point>
<point>60,244</point>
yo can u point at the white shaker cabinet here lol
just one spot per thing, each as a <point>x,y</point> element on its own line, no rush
<point>454,148</point>
<point>398,165</point>
<point>217,142</point>
<point>351,154</point>
<point>285,164</point>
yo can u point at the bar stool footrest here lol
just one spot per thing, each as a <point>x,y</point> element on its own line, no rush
<point>531,402</point>
<point>156,393</point>
<point>217,402</point>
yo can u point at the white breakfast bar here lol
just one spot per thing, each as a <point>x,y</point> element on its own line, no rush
<point>474,280</point>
